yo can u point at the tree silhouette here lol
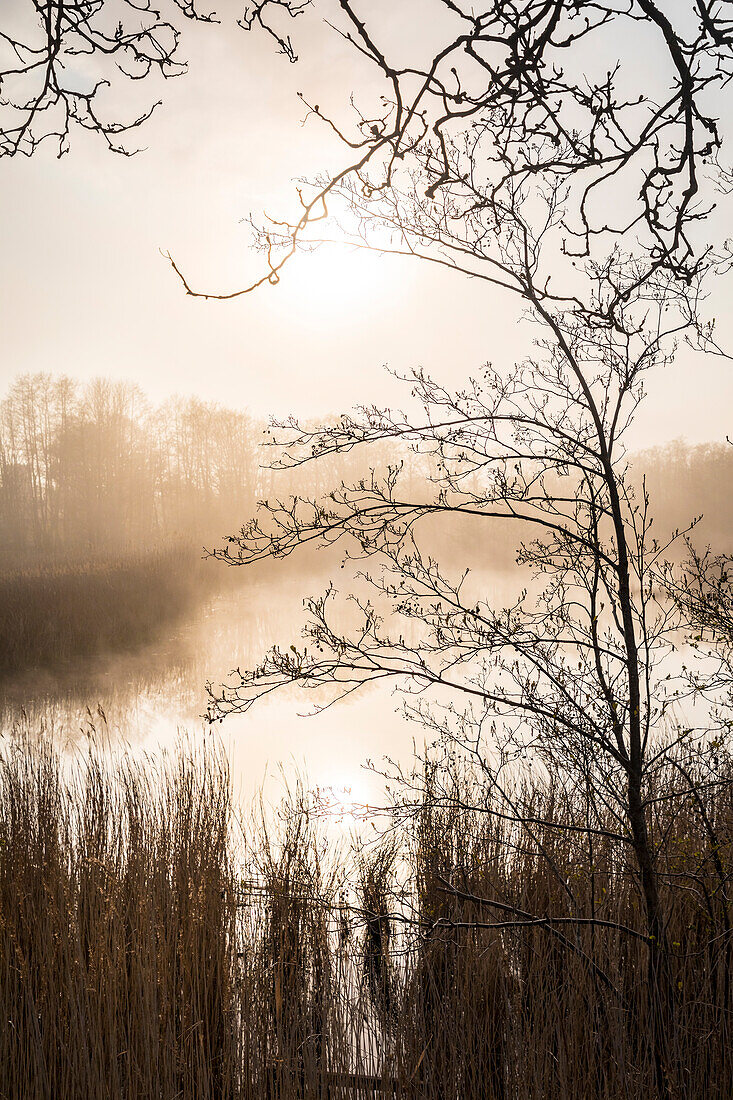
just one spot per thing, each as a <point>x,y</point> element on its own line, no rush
<point>538,98</point>
<point>57,57</point>
<point>533,152</point>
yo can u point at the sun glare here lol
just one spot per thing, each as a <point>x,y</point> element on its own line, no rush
<point>345,795</point>
<point>335,284</point>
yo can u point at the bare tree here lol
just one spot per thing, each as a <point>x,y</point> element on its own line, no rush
<point>57,58</point>
<point>533,152</point>
<point>521,98</point>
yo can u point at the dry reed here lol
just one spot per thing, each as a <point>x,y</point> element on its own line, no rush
<point>148,951</point>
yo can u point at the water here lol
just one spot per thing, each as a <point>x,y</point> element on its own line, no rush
<point>148,698</point>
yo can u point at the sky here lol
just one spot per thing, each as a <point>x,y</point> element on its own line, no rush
<point>86,291</point>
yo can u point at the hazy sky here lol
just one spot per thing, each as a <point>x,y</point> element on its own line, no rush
<point>86,292</point>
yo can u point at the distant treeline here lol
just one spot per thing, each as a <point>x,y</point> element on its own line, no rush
<point>685,482</point>
<point>89,468</point>
<point>86,469</point>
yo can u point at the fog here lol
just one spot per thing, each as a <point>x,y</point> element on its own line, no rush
<point>114,621</point>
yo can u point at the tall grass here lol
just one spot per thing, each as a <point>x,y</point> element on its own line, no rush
<point>149,950</point>
<point>117,912</point>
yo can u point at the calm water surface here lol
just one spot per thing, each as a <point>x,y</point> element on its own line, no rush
<point>150,698</point>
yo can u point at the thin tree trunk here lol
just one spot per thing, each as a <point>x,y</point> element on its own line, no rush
<point>661,1002</point>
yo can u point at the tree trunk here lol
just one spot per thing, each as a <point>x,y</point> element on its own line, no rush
<point>661,1001</point>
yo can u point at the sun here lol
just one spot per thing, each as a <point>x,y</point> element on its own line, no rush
<point>345,794</point>
<point>336,284</point>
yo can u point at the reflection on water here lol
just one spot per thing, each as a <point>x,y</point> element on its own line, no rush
<point>164,680</point>
<point>146,698</point>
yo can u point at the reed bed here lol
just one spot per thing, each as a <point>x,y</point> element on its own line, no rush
<point>150,947</point>
<point>51,615</point>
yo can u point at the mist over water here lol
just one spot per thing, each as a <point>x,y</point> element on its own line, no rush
<point>113,623</point>
<point>150,695</point>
